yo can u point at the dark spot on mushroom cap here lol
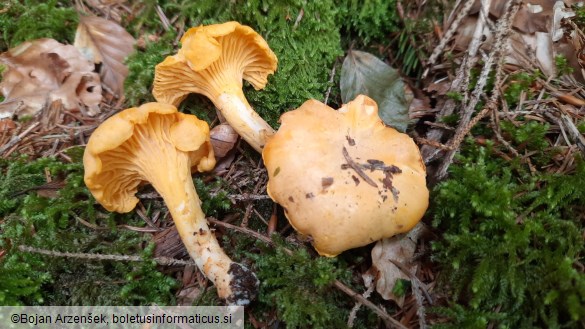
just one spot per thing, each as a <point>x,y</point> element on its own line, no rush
<point>375,162</point>
<point>309,195</point>
<point>395,170</point>
<point>355,180</point>
<point>290,198</point>
<point>350,140</point>
<point>202,231</point>
<point>326,182</point>
<point>276,171</point>
<point>399,226</point>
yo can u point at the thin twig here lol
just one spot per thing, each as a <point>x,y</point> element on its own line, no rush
<point>247,197</point>
<point>357,168</point>
<point>358,305</point>
<point>380,312</point>
<point>412,277</point>
<point>430,142</point>
<point>447,36</point>
<point>166,261</point>
<point>163,18</point>
<point>417,288</point>
<point>261,182</point>
<point>497,55</point>
<point>331,77</point>
<point>15,139</point>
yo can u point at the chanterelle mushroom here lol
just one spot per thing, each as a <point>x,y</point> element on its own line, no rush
<point>343,177</point>
<point>154,143</point>
<point>212,61</point>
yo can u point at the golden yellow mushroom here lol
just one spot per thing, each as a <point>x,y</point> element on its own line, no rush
<point>156,144</point>
<point>344,178</point>
<point>213,61</point>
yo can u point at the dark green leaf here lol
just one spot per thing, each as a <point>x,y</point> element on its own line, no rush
<point>363,73</point>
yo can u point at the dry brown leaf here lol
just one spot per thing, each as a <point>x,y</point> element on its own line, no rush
<point>440,88</point>
<point>533,15</point>
<point>107,43</point>
<point>223,139</point>
<point>42,71</point>
<point>188,295</point>
<point>399,248</point>
<point>537,37</point>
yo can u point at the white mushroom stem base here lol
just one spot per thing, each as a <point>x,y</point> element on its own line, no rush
<point>240,115</point>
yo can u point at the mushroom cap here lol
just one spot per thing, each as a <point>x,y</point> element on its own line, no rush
<point>313,164</point>
<point>118,155</point>
<point>214,59</point>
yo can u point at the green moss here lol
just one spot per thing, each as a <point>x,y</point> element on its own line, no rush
<point>518,83</point>
<point>213,204</point>
<point>530,137</point>
<point>512,244</point>
<point>562,65</point>
<point>369,20</point>
<point>51,223</point>
<point>138,84</point>
<point>300,287</point>
<point>306,51</point>
<point>32,19</point>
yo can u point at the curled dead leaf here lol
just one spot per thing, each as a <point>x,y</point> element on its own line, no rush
<point>106,43</point>
<point>223,139</point>
<point>42,71</point>
<point>399,248</point>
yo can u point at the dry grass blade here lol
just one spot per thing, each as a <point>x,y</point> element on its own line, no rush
<point>108,44</point>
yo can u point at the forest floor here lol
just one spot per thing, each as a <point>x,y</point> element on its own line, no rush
<point>493,96</point>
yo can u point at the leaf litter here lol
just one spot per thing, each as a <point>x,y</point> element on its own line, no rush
<point>44,71</point>
<point>399,250</point>
<point>106,44</point>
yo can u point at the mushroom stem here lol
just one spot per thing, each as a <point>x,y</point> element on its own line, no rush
<point>235,283</point>
<point>239,114</point>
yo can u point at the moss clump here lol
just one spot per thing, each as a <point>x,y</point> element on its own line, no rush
<point>53,223</point>
<point>300,287</point>
<point>370,20</point>
<point>33,19</point>
<point>518,83</point>
<point>213,204</point>
<point>138,84</point>
<point>306,50</point>
<point>513,244</point>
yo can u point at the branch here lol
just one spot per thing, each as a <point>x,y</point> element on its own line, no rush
<point>167,261</point>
